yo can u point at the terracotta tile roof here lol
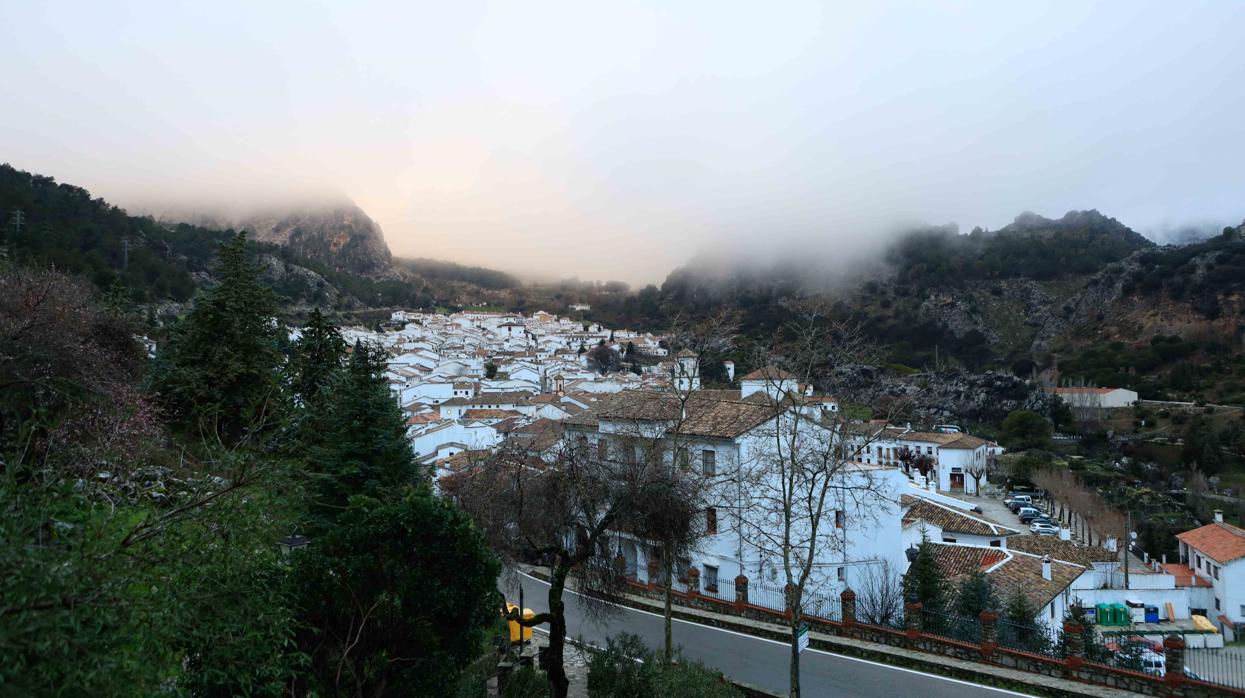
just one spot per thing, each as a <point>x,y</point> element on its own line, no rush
<point>423,418</point>
<point>1185,576</point>
<point>950,519</point>
<point>1066,550</point>
<point>769,373</point>
<point>489,414</point>
<point>707,415</point>
<point>1012,572</point>
<point>1221,542</point>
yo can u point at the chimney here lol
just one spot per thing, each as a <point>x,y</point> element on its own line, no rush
<point>1219,516</point>
<point>1046,568</point>
<point>1065,533</point>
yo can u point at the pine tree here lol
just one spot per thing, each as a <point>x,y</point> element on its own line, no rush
<point>926,580</point>
<point>219,373</point>
<point>355,439</point>
<point>315,357</point>
<point>976,594</point>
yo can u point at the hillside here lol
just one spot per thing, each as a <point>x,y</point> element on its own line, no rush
<point>334,257</point>
<point>342,237</point>
<point>1082,297</point>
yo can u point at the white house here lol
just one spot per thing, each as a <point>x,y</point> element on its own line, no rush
<point>926,518</point>
<point>957,457</point>
<point>720,435</point>
<point>1104,398</point>
<point>1216,553</point>
<point>1048,584</point>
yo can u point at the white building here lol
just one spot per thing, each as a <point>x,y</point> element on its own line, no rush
<point>1216,553</point>
<point>924,517</point>
<point>1098,398</point>
<point>721,436</point>
<point>956,456</point>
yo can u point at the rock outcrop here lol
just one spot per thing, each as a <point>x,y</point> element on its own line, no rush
<point>342,237</point>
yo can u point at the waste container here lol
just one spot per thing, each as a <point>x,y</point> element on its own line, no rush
<point>1103,615</point>
<point>1152,614</point>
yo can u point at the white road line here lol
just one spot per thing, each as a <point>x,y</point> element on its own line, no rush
<point>1000,691</point>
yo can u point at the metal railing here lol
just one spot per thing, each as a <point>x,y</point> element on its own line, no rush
<point>952,627</point>
<point>1035,639</point>
<point>1225,666</point>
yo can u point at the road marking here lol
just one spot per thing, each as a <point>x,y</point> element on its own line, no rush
<point>1001,691</point>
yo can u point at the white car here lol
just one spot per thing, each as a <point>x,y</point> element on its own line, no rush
<point>1044,529</point>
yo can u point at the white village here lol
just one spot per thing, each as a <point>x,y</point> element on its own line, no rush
<point>473,383</point>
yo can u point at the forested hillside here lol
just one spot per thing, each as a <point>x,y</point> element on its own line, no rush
<point>51,225</point>
<point>1080,298</point>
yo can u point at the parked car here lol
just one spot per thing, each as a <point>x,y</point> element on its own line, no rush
<point>1018,499</point>
<point>1044,529</point>
<point>1028,514</point>
<point>1045,520</point>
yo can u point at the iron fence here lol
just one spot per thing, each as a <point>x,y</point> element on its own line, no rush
<point>1225,666</point>
<point>952,627</point>
<point>1036,639</point>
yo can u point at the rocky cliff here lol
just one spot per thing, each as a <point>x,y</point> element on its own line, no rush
<point>341,237</point>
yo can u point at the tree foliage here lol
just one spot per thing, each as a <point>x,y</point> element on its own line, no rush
<point>395,597</point>
<point>219,374</point>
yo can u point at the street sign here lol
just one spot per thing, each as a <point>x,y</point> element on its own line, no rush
<point>801,638</point>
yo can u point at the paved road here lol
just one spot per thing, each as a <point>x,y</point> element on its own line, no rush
<point>758,661</point>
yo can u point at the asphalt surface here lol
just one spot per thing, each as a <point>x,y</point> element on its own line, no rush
<point>758,661</point>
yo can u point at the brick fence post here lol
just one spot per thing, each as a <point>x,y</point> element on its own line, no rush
<point>693,582</point>
<point>1173,657</point>
<point>848,601</point>
<point>1074,646</point>
<point>912,618</point>
<point>989,632</point>
<point>652,572</point>
<point>741,591</point>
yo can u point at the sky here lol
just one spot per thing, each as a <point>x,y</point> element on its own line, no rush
<point>616,140</point>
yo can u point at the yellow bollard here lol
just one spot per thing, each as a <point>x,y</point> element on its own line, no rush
<point>528,614</point>
<point>513,625</point>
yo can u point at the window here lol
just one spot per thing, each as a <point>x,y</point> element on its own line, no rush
<point>994,544</point>
<point>1216,573</point>
<point>1216,604</point>
<point>709,461</point>
<point>684,460</point>
<point>603,449</point>
<point>842,574</point>
<point>711,521</point>
<point>840,518</point>
<point>948,539</point>
<point>711,578</point>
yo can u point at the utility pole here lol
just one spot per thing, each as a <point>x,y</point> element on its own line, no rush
<point>125,252</point>
<point>19,218</point>
<point>1128,533</point>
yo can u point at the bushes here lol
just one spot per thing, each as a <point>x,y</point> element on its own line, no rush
<point>627,668</point>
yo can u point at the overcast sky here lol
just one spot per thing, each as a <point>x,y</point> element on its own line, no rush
<point>615,140</point>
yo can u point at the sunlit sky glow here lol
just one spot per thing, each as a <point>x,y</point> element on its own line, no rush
<point>615,140</point>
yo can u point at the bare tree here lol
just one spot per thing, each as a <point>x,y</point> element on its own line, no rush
<point>879,598</point>
<point>914,460</point>
<point>805,470</point>
<point>562,511</point>
<point>976,470</point>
